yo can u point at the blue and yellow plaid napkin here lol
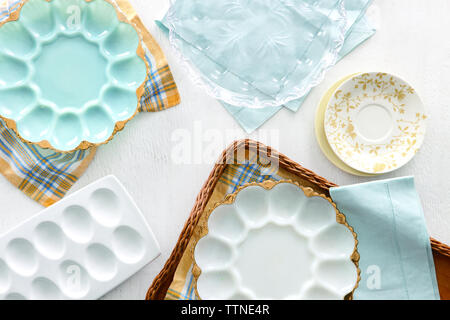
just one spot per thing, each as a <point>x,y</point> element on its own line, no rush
<point>46,175</point>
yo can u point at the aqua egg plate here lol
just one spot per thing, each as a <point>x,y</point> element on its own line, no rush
<point>72,72</point>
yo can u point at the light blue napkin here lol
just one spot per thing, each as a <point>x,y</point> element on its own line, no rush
<point>394,245</point>
<point>358,31</point>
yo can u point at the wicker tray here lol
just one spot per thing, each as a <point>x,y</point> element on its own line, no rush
<point>162,282</point>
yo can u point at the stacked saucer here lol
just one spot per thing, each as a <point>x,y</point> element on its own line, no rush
<point>370,123</point>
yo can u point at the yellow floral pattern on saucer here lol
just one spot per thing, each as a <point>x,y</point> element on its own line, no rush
<point>375,122</point>
<point>320,131</point>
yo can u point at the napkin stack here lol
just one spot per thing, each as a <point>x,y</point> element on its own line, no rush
<point>46,175</point>
<point>358,29</point>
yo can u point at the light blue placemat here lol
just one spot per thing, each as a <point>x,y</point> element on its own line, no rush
<point>394,245</point>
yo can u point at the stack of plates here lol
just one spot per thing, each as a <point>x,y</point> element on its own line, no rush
<point>370,123</point>
<point>224,43</point>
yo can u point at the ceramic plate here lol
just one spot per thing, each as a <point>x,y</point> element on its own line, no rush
<point>276,241</point>
<point>321,136</point>
<point>375,122</point>
<point>71,72</point>
<point>257,53</point>
<point>79,248</point>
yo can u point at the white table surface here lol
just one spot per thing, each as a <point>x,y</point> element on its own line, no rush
<point>412,41</point>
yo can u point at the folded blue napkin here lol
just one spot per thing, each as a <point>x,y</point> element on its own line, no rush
<point>358,31</point>
<point>394,245</point>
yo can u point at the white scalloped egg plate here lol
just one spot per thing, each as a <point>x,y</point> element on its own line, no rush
<point>79,248</point>
<point>276,244</point>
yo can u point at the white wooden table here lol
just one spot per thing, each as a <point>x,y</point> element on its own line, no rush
<point>412,41</point>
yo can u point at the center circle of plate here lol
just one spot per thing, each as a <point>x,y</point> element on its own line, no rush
<point>375,122</point>
<point>259,251</point>
<point>73,58</point>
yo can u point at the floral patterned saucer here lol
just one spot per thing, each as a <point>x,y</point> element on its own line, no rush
<point>375,122</point>
<point>276,240</point>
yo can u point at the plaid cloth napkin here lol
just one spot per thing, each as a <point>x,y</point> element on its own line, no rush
<point>46,175</point>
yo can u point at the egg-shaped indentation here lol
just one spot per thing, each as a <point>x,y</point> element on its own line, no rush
<point>130,72</point>
<point>15,101</point>
<point>100,262</point>
<point>21,257</point>
<point>121,102</point>
<point>77,224</point>
<point>318,292</point>
<point>15,296</point>
<point>100,18</point>
<point>285,201</point>
<point>212,253</point>
<point>124,40</point>
<point>74,280</point>
<point>317,214</point>
<point>12,71</point>
<point>16,40</point>
<point>68,15</point>
<point>216,285</point>
<point>67,132</point>
<point>340,275</point>
<point>37,16</point>
<point>225,222</point>
<point>5,279</point>
<point>252,204</point>
<point>335,241</point>
<point>128,244</point>
<point>49,240</point>
<point>44,289</point>
<point>98,124</point>
<point>34,126</point>
<point>104,205</point>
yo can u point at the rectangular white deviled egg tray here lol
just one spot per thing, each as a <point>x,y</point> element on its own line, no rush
<point>79,248</point>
